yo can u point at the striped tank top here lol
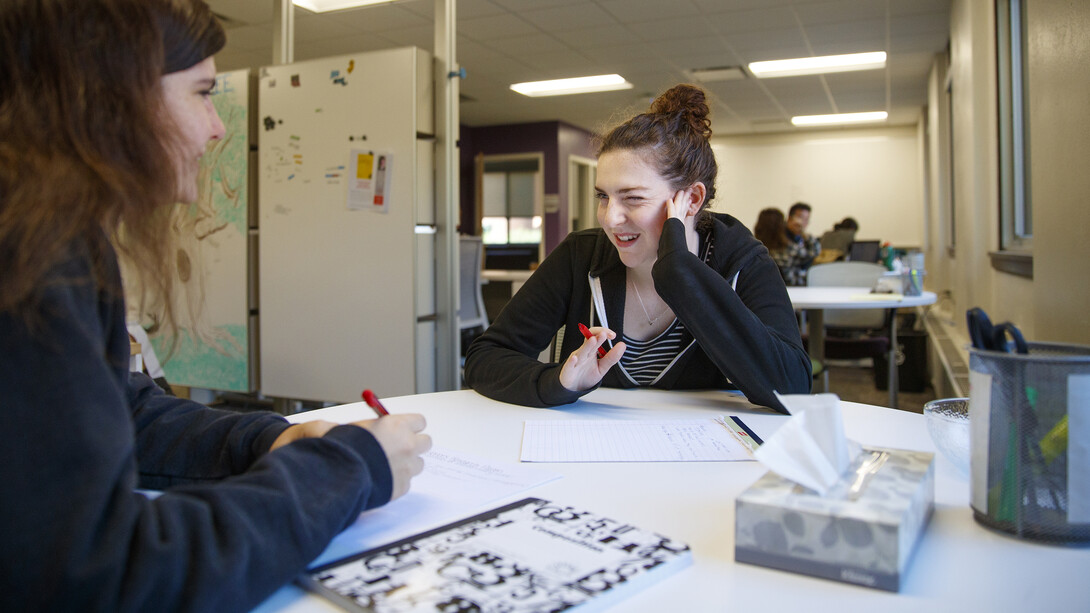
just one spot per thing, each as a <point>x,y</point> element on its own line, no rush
<point>644,361</point>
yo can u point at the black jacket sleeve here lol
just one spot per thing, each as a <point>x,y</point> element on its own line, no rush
<point>235,521</point>
<point>502,363</point>
<point>750,334</point>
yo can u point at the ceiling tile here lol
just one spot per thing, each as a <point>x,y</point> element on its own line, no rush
<point>635,11</point>
<point>528,44</point>
<point>380,17</point>
<point>562,17</point>
<point>649,42</point>
<point>841,11</point>
<point>495,27</point>
<point>773,18</point>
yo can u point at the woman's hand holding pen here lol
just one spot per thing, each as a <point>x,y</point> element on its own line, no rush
<point>402,438</point>
<point>584,369</point>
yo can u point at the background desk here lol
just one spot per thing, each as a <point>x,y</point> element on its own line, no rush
<point>516,277</point>
<point>958,566</point>
<point>500,286</point>
<point>814,300</point>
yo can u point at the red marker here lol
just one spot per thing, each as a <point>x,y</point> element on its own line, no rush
<point>372,401</point>
<point>586,334</point>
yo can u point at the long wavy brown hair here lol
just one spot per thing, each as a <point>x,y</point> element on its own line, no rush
<point>85,143</point>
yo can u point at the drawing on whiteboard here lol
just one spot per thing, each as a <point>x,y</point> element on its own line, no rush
<point>212,239</point>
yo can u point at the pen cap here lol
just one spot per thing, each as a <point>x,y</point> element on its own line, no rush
<point>1029,426</point>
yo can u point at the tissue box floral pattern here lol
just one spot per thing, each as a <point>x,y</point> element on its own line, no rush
<point>863,535</point>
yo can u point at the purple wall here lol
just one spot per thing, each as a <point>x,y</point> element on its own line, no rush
<point>555,140</point>
<point>571,141</point>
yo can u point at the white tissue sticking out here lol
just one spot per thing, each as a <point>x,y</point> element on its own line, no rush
<point>810,449</point>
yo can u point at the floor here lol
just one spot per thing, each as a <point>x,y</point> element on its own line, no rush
<point>855,383</point>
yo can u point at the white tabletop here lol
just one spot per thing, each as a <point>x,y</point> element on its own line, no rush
<point>958,566</point>
<point>853,298</point>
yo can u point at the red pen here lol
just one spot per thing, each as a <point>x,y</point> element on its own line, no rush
<point>372,401</point>
<point>586,334</point>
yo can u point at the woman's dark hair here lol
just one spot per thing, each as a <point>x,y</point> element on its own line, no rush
<point>675,131</point>
<point>798,206</point>
<point>85,146</point>
<point>848,223</point>
<point>771,229</point>
<point>190,32</point>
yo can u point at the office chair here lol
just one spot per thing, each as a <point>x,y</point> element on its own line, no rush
<point>852,334</point>
<point>471,313</point>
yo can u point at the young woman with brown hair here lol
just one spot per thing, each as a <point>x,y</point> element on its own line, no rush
<point>104,115</point>
<point>681,297</point>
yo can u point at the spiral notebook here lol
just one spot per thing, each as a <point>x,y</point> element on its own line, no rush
<point>531,555</point>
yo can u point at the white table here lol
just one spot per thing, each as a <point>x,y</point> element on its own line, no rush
<point>958,565</point>
<point>516,277</point>
<point>814,300</point>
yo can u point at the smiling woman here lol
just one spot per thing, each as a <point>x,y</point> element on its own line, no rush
<point>681,297</point>
<point>187,96</point>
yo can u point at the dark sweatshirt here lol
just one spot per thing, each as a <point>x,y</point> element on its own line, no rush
<point>235,521</point>
<point>735,307</point>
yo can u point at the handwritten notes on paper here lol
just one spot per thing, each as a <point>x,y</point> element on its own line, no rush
<point>667,440</point>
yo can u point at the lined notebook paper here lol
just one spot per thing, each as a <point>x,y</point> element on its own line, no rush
<point>667,440</point>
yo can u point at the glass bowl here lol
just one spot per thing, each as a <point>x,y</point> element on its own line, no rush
<point>948,424</point>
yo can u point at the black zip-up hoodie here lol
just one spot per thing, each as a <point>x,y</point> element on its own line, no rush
<point>735,307</point>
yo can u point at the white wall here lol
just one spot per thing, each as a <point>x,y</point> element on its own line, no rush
<point>872,174</point>
<point>1051,306</point>
<point>1059,53</point>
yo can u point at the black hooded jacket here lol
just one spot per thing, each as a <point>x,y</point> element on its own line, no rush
<point>740,329</point>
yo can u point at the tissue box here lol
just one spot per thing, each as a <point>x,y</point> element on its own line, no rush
<point>863,531</point>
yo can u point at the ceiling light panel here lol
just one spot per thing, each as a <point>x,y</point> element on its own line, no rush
<point>325,6</point>
<point>818,65</point>
<point>839,118</point>
<point>577,85</point>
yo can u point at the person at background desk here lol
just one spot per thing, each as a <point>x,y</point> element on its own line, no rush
<point>802,248</point>
<point>105,111</point>
<point>771,230</point>
<point>680,297</point>
<point>835,242</point>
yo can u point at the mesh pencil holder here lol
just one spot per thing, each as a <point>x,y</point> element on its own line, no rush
<point>1029,417</point>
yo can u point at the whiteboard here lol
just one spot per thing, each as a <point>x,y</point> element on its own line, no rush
<point>338,272</point>
<point>211,305</point>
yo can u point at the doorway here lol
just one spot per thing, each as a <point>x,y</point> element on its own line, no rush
<point>582,207</point>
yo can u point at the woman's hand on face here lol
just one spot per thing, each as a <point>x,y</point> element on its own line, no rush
<point>584,369</point>
<point>678,206</point>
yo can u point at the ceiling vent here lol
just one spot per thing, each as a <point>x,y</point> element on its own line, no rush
<point>719,73</point>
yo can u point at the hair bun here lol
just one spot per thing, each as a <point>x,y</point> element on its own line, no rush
<point>690,103</point>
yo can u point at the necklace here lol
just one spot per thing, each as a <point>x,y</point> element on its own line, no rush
<point>650,320</point>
